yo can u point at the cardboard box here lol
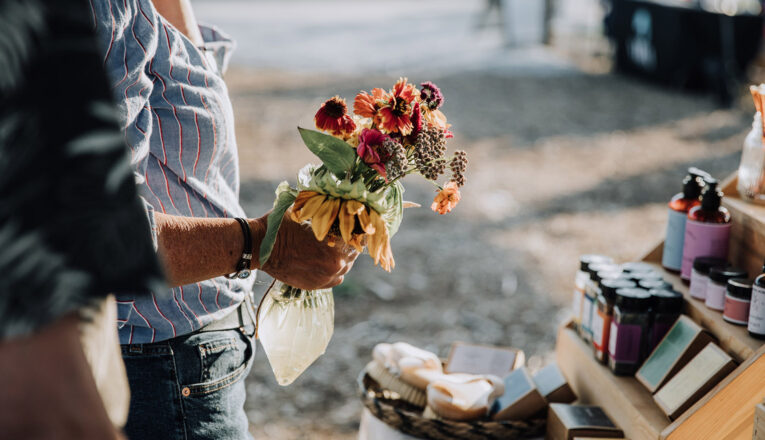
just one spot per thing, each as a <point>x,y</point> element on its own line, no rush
<point>681,344</point>
<point>483,359</point>
<point>694,380</point>
<point>553,385</point>
<point>521,400</point>
<point>758,433</point>
<point>566,422</point>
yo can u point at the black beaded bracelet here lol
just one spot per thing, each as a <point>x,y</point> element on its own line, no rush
<point>243,266</point>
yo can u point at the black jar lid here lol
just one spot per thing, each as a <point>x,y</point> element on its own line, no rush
<point>586,260</point>
<point>634,299</point>
<point>721,275</point>
<point>638,266</point>
<point>740,288</point>
<point>653,283</point>
<point>667,300</point>
<point>703,264</point>
<point>594,268</point>
<point>609,287</point>
<point>645,276</point>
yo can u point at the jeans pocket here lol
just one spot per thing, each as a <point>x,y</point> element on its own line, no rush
<point>223,361</point>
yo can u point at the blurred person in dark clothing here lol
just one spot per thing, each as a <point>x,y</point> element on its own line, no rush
<point>72,228</point>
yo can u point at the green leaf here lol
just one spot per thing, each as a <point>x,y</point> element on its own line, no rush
<point>335,153</point>
<point>285,197</point>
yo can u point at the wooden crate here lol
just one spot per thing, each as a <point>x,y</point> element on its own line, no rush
<point>632,407</point>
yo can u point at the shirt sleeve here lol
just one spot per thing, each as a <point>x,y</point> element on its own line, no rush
<point>72,228</point>
<point>219,44</point>
<point>126,33</point>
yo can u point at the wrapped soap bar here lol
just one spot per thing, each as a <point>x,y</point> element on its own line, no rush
<point>483,359</point>
<point>521,399</point>
<point>566,422</point>
<point>553,385</point>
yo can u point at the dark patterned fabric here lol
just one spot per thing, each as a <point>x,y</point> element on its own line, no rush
<point>71,226</point>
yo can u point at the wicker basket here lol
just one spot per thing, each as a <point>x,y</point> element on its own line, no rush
<point>408,419</point>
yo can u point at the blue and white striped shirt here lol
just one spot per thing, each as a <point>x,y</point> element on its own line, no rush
<point>179,125</point>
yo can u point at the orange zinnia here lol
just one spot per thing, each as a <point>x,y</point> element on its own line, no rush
<point>446,199</point>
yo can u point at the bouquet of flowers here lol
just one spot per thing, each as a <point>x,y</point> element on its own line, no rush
<point>354,196</point>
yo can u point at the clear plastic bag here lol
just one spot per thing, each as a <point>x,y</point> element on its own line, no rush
<point>294,328</point>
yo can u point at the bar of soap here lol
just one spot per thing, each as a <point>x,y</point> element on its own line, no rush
<point>701,374</point>
<point>683,341</point>
<point>521,400</point>
<point>553,385</point>
<point>483,359</point>
<point>566,422</point>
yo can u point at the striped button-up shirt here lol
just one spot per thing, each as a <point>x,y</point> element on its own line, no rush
<point>179,125</point>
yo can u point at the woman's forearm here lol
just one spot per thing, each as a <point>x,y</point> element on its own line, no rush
<point>196,249</point>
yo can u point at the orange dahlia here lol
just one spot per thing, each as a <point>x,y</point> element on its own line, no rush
<point>333,117</point>
<point>396,115</point>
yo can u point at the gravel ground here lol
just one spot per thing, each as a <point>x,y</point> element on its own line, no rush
<point>565,159</point>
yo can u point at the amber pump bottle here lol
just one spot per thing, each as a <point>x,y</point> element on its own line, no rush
<point>707,230</point>
<point>681,203</point>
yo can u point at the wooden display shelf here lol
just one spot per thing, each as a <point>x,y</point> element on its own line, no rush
<point>734,339</point>
<point>623,398</point>
<point>726,411</point>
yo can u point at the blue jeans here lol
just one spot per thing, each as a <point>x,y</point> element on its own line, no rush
<point>190,387</point>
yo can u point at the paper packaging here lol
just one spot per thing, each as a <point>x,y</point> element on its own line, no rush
<point>521,400</point>
<point>553,386</point>
<point>758,432</point>
<point>694,380</point>
<point>483,359</point>
<point>566,422</point>
<point>683,341</point>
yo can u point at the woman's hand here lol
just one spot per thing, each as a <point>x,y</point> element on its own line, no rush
<point>298,259</point>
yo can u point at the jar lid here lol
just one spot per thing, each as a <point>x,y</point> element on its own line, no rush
<point>609,274</point>
<point>667,300</point>
<point>638,266</point>
<point>608,287</point>
<point>633,299</point>
<point>703,264</point>
<point>651,283</point>
<point>721,275</point>
<point>644,276</point>
<point>594,268</point>
<point>740,288</point>
<point>586,260</point>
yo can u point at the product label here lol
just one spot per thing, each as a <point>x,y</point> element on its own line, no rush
<point>587,315</point>
<point>576,305</point>
<point>601,324</point>
<point>703,240</point>
<point>597,329</point>
<point>757,311</point>
<point>698,285</point>
<point>625,342</point>
<point>672,258</point>
<point>715,296</point>
<point>736,310</point>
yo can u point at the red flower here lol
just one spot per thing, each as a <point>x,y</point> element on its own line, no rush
<point>370,141</point>
<point>396,115</point>
<point>366,105</point>
<point>333,117</point>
